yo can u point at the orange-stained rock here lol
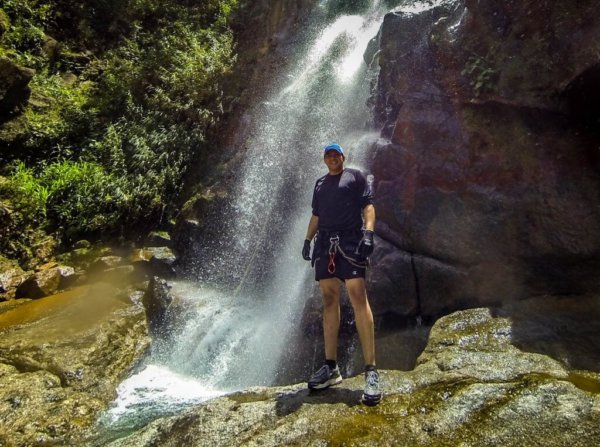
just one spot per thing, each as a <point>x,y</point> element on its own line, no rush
<point>61,358</point>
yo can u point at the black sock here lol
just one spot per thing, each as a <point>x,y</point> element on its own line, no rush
<point>370,368</point>
<point>331,363</point>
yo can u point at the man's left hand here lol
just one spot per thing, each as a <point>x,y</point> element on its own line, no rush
<point>365,246</point>
<point>306,250</point>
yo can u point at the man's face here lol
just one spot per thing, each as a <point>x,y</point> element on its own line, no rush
<point>334,160</point>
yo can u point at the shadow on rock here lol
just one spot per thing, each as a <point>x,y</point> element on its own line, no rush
<point>564,328</point>
<point>288,403</point>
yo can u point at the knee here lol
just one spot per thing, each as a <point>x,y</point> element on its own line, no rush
<point>360,303</point>
<point>330,299</point>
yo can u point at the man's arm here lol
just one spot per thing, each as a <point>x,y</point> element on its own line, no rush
<point>313,226</point>
<point>369,217</point>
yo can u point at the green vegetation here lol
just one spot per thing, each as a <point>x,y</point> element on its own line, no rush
<point>480,74</point>
<point>123,98</point>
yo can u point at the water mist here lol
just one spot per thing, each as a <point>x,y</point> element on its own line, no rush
<point>237,333</point>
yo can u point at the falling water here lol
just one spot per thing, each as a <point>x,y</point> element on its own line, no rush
<point>237,333</point>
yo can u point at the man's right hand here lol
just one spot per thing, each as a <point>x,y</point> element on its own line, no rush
<point>306,250</point>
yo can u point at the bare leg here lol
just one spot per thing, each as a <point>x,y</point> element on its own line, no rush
<point>331,315</point>
<point>364,318</point>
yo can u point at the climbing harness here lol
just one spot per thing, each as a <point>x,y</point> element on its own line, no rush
<point>334,246</point>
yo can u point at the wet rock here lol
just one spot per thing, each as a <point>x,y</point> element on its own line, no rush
<point>150,261</point>
<point>140,255</point>
<point>68,276</point>
<point>193,235</point>
<point>158,239</point>
<point>157,300</point>
<point>84,257</point>
<point>471,387</point>
<point>391,281</point>
<point>11,277</point>
<point>162,261</point>
<point>473,344</point>
<point>26,394</point>
<point>82,244</point>
<point>47,266</point>
<point>43,250</point>
<point>486,169</point>
<point>42,283</point>
<point>106,262</point>
<point>61,358</point>
<point>561,327</point>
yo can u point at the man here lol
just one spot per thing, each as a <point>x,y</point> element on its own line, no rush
<point>342,200</point>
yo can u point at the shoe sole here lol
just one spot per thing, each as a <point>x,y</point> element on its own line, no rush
<point>371,401</point>
<point>322,386</point>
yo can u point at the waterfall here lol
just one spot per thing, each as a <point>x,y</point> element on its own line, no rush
<point>237,334</point>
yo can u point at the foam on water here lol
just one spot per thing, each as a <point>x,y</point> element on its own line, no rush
<point>159,389</point>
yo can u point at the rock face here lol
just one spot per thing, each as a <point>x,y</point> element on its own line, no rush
<point>471,387</point>
<point>157,300</point>
<point>61,358</point>
<point>487,177</point>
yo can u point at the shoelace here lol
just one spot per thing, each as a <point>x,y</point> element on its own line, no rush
<point>323,371</point>
<point>372,379</point>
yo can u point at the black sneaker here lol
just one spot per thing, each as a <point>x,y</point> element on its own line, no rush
<point>324,378</point>
<point>372,393</point>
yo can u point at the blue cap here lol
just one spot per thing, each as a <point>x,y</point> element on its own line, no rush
<point>334,147</point>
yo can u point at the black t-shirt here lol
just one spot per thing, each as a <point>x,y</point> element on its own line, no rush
<point>338,200</point>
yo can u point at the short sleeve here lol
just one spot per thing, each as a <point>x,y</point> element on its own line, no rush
<point>315,204</point>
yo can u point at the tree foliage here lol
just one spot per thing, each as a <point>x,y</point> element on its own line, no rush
<point>124,94</point>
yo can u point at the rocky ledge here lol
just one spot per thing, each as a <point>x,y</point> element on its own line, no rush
<point>61,358</point>
<point>471,387</point>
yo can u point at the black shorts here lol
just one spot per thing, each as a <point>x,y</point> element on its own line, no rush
<point>344,270</point>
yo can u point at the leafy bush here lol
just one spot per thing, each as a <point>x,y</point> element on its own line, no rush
<point>71,198</point>
<point>118,112</point>
<point>25,36</point>
<point>83,198</point>
<point>58,116</point>
<point>27,195</point>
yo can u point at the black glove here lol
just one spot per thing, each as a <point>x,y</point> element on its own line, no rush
<point>365,246</point>
<point>306,250</point>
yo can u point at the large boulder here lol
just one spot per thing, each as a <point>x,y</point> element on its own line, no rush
<point>487,169</point>
<point>471,387</point>
<point>42,283</point>
<point>11,277</point>
<point>61,358</point>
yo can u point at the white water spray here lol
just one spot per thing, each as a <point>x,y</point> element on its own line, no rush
<point>236,338</point>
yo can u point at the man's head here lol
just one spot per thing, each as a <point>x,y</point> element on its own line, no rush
<point>333,149</point>
<point>334,158</point>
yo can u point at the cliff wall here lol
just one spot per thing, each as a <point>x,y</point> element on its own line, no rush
<point>487,167</point>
